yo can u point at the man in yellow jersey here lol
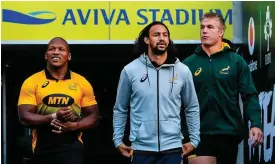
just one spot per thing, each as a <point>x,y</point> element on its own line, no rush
<point>52,102</point>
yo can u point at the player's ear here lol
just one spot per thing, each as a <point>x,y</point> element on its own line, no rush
<point>146,40</point>
<point>221,33</point>
<point>69,56</point>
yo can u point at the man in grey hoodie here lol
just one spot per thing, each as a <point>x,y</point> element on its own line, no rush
<point>155,86</point>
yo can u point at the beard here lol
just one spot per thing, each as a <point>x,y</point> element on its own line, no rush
<point>158,51</point>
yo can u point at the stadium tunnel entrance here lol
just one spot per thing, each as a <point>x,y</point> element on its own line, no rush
<point>99,64</point>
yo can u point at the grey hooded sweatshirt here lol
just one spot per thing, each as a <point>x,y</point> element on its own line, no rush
<point>155,97</point>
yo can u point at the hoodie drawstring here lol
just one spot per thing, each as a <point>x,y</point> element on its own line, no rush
<point>147,72</point>
<point>148,79</point>
<point>173,79</point>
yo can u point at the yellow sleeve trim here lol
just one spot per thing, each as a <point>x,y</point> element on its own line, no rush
<point>192,156</point>
<point>131,152</point>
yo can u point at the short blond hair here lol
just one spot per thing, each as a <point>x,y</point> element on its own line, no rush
<point>219,17</point>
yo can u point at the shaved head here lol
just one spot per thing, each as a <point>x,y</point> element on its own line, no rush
<point>59,40</point>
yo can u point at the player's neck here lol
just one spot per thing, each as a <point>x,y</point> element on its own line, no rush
<point>57,73</point>
<point>159,59</point>
<point>210,50</point>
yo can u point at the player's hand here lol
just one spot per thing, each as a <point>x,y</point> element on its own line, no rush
<point>124,150</point>
<point>187,148</point>
<point>63,126</point>
<point>256,135</point>
<point>64,114</point>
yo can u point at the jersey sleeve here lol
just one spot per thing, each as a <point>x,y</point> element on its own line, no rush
<point>88,97</point>
<point>27,93</point>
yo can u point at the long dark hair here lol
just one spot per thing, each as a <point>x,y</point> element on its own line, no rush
<point>141,47</point>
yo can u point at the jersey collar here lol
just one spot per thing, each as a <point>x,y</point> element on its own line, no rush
<point>50,77</point>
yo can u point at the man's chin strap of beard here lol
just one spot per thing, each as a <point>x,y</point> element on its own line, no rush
<point>169,60</point>
<point>158,52</point>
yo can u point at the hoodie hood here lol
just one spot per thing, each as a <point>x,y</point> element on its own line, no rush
<point>225,47</point>
<point>169,62</point>
<point>228,42</point>
<point>233,48</point>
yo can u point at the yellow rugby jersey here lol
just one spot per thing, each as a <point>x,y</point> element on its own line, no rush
<point>49,95</point>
